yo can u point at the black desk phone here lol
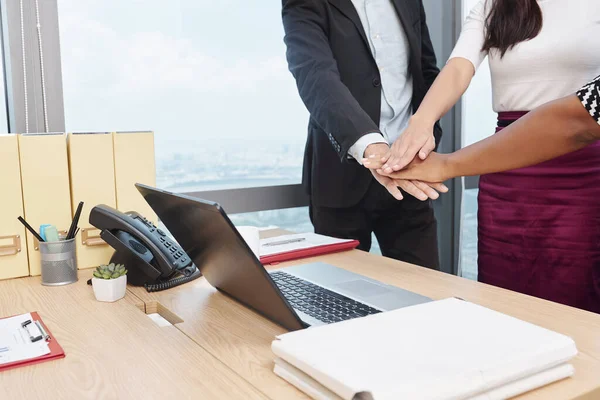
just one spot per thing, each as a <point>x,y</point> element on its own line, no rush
<point>152,258</point>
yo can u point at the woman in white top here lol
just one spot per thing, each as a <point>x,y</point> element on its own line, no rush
<point>539,227</point>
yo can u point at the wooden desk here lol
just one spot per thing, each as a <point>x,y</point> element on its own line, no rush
<point>113,351</point>
<point>219,348</point>
<point>241,339</point>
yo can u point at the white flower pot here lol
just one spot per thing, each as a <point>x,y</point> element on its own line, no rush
<point>109,290</point>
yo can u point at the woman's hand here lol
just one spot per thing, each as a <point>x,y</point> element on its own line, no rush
<point>435,168</point>
<point>416,140</point>
<point>420,190</point>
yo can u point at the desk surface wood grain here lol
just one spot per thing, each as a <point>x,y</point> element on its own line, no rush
<point>241,338</point>
<point>113,351</point>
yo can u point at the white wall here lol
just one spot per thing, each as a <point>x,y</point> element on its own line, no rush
<point>478,119</point>
<point>478,122</point>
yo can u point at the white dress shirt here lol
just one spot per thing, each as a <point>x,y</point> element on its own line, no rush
<point>390,49</point>
<point>556,63</point>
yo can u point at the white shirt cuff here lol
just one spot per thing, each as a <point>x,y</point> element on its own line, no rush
<point>357,151</point>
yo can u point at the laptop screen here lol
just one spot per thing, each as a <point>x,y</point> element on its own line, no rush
<point>213,243</point>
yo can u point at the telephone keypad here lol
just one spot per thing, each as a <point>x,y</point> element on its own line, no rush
<point>179,257</point>
<point>176,257</point>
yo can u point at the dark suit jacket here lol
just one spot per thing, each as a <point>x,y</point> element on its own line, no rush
<point>338,81</point>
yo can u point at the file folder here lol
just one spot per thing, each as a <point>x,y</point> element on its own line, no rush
<point>56,351</point>
<point>92,172</point>
<point>13,249</point>
<point>302,245</point>
<point>134,163</point>
<point>45,182</point>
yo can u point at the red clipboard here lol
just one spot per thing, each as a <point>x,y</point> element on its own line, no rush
<point>310,252</point>
<point>56,350</point>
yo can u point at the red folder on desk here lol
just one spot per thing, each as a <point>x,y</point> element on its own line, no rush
<point>312,251</point>
<point>56,350</point>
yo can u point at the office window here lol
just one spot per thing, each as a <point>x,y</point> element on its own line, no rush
<point>478,122</point>
<point>210,81</point>
<point>468,240</point>
<point>292,219</point>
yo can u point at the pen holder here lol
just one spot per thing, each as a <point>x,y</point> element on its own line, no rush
<point>59,262</point>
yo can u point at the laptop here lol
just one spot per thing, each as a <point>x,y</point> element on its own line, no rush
<point>294,297</point>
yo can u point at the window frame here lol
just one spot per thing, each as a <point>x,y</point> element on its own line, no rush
<point>444,22</point>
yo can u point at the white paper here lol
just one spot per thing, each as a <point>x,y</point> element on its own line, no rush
<point>288,243</point>
<point>15,342</point>
<point>445,349</point>
<point>317,391</point>
<point>251,235</point>
<point>303,382</point>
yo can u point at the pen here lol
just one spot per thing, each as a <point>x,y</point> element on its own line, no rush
<point>30,229</point>
<point>71,233</point>
<point>285,242</point>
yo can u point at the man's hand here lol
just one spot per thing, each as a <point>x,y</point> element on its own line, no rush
<point>376,149</point>
<point>420,190</point>
<point>436,168</point>
<point>417,139</point>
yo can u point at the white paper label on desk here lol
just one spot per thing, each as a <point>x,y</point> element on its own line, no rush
<point>288,243</point>
<point>15,343</point>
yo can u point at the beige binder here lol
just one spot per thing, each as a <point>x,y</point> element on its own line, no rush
<point>13,248</point>
<point>45,181</point>
<point>92,171</point>
<point>134,163</point>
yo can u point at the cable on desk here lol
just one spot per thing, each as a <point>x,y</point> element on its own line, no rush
<point>156,287</point>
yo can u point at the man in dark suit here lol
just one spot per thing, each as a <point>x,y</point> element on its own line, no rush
<point>361,69</point>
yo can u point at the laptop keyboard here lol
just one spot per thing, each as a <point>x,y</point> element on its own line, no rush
<point>318,302</point>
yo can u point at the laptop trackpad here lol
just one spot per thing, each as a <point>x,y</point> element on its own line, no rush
<point>362,288</point>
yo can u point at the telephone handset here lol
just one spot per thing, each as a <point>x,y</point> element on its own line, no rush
<point>153,259</point>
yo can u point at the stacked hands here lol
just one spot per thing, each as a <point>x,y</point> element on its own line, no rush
<point>409,164</point>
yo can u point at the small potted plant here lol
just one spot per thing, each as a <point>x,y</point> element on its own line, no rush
<point>110,282</point>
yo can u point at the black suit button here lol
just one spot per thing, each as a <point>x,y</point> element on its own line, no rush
<point>376,82</point>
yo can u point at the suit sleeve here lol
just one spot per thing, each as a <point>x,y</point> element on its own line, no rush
<point>429,67</point>
<point>314,68</point>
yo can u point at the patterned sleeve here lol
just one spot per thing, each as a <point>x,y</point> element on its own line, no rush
<point>590,98</point>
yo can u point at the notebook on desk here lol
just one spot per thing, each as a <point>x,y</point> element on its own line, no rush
<point>445,349</point>
<point>303,245</point>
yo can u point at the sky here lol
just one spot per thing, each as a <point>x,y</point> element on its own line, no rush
<point>190,70</point>
<point>196,72</point>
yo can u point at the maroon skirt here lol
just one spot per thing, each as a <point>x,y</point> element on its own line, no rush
<point>539,228</point>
